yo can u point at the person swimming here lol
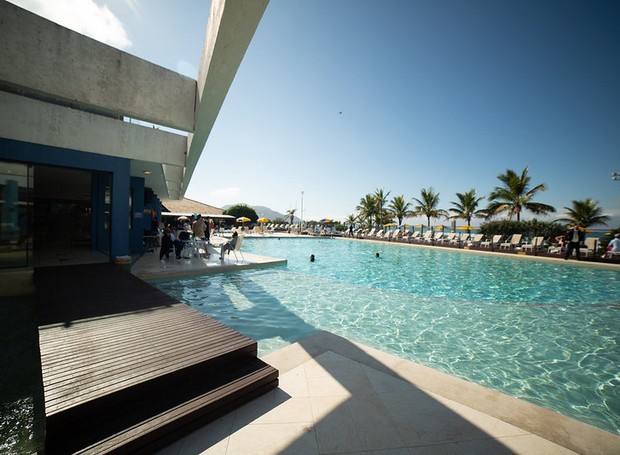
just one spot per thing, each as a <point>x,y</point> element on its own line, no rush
<point>312,258</point>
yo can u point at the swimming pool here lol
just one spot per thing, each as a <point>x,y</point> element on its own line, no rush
<point>546,332</point>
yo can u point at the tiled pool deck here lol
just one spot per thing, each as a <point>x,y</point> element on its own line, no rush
<point>337,396</point>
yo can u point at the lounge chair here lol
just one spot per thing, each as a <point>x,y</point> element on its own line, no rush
<point>534,245</point>
<point>590,247</point>
<point>437,237</point>
<point>460,239</point>
<point>414,237</point>
<point>514,241</point>
<point>476,240</point>
<point>495,241</point>
<point>428,237</point>
<point>447,239</point>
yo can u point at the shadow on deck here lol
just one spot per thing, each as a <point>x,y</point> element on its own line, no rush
<point>126,368</point>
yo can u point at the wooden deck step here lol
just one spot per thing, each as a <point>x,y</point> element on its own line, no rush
<point>127,367</point>
<point>149,420</point>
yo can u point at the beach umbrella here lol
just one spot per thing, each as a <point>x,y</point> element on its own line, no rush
<point>465,228</point>
<point>182,218</point>
<point>263,220</point>
<point>390,224</point>
<point>326,220</point>
<point>441,227</point>
<point>243,219</point>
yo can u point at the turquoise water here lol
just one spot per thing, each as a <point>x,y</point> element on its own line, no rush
<point>540,331</point>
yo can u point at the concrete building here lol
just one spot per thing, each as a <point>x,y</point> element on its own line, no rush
<point>77,172</point>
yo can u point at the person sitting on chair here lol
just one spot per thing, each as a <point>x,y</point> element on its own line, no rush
<point>167,244</point>
<point>179,244</point>
<point>229,246</point>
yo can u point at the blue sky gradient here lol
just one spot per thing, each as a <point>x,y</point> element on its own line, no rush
<point>338,98</point>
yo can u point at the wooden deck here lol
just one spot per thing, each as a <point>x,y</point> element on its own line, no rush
<point>127,369</point>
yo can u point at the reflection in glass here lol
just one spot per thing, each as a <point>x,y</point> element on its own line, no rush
<point>15,213</point>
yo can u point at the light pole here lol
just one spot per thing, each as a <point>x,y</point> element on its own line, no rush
<point>301,224</point>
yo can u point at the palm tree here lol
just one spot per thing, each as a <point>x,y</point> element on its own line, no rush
<point>467,206</point>
<point>351,220</point>
<point>516,196</point>
<point>427,206</point>
<point>381,201</point>
<point>290,214</point>
<point>399,208</point>
<point>367,208</point>
<point>585,213</point>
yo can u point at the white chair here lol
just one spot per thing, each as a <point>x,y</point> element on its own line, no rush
<point>447,239</point>
<point>476,240</point>
<point>514,241</point>
<point>590,247</point>
<point>534,245</point>
<point>237,248</point>
<point>495,241</point>
<point>461,239</point>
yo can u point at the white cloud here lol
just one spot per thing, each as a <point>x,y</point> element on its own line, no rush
<point>82,16</point>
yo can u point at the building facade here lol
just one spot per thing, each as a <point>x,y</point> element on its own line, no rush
<point>92,138</point>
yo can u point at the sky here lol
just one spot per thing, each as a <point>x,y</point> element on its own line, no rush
<point>336,99</point>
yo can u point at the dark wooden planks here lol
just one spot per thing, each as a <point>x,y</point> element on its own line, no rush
<point>129,366</point>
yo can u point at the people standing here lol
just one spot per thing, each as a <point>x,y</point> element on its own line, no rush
<point>198,228</point>
<point>575,236</point>
<point>210,228</point>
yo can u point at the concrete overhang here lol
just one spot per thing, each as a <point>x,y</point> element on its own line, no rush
<point>60,88</point>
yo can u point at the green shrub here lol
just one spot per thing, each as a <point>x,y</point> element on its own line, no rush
<point>529,229</point>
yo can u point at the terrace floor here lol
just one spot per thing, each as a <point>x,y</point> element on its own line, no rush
<point>336,396</point>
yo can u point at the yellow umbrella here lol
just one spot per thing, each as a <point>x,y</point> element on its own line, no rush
<point>440,227</point>
<point>263,220</point>
<point>465,228</point>
<point>390,224</point>
<point>243,219</point>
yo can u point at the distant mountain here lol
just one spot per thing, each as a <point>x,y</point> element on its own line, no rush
<point>266,212</point>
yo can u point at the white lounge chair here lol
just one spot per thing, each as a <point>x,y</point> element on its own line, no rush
<point>476,241</point>
<point>435,237</point>
<point>534,245</point>
<point>514,241</point>
<point>414,236</point>
<point>591,246</point>
<point>461,239</point>
<point>495,241</point>
<point>447,239</point>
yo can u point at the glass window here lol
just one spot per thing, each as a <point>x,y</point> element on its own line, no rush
<point>15,214</point>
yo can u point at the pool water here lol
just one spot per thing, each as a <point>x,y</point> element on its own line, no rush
<point>545,332</point>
